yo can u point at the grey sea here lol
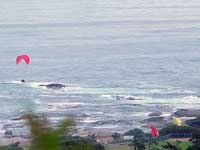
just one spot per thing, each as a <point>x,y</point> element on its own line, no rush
<point>101,50</point>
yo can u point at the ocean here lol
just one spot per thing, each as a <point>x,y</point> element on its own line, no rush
<point>100,50</point>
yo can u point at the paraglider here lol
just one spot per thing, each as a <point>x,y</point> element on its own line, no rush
<point>25,58</point>
<point>154,131</point>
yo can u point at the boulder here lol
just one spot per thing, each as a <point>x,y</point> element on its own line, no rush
<point>155,114</point>
<point>187,113</point>
<point>159,122</point>
<point>53,86</point>
<point>155,119</point>
<point>8,132</point>
<point>127,98</point>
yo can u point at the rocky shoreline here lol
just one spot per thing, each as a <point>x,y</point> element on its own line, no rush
<point>19,131</point>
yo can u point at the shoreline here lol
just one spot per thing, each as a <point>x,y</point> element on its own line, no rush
<point>155,118</point>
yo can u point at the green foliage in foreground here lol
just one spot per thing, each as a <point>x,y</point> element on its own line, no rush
<point>195,141</point>
<point>164,145</point>
<point>194,122</point>
<point>119,147</point>
<point>154,146</point>
<point>83,145</point>
<point>135,132</point>
<point>45,137</point>
<point>9,148</point>
<point>69,145</point>
<point>177,129</point>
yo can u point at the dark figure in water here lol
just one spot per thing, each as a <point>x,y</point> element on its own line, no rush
<point>23,81</point>
<point>54,86</point>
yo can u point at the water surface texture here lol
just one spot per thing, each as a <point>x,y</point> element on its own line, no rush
<point>147,49</point>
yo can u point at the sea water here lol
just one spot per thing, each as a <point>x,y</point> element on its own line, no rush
<point>100,50</point>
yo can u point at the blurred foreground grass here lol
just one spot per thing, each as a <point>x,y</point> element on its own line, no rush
<point>46,137</point>
<point>182,145</point>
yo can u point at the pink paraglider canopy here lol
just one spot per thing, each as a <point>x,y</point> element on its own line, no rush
<point>26,59</point>
<point>154,131</point>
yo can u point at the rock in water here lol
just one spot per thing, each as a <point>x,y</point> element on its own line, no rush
<point>155,114</point>
<point>54,86</point>
<point>155,119</point>
<point>127,98</point>
<point>187,113</point>
<point>8,134</point>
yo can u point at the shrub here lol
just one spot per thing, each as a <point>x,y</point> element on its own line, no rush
<point>135,132</point>
<point>194,122</point>
<point>172,129</point>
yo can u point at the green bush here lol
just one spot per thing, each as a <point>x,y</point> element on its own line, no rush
<point>82,145</point>
<point>177,129</point>
<point>135,132</point>
<point>44,137</point>
<point>195,141</point>
<point>11,147</point>
<point>194,122</point>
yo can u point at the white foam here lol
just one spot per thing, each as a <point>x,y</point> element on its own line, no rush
<point>107,96</point>
<point>5,96</point>
<point>106,92</point>
<point>166,91</point>
<point>37,84</point>
<point>15,82</point>
<point>165,114</point>
<point>65,104</point>
<point>2,132</point>
<point>88,120</point>
<point>37,101</point>
<point>180,102</point>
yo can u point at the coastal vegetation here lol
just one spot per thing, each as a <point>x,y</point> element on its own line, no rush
<point>180,131</point>
<point>135,132</point>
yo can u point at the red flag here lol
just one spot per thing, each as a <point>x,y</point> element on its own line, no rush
<point>154,131</point>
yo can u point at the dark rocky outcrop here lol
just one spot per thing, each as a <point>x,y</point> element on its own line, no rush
<point>194,122</point>
<point>127,98</point>
<point>187,113</point>
<point>114,122</point>
<point>9,134</point>
<point>83,144</point>
<point>155,119</point>
<point>155,114</point>
<point>53,86</point>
